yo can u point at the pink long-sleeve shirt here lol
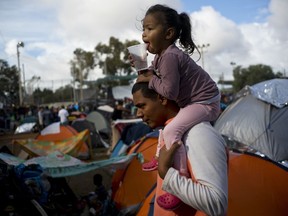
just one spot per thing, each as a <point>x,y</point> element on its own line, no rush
<point>181,79</point>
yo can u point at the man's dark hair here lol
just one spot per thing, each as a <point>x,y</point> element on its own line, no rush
<point>145,90</point>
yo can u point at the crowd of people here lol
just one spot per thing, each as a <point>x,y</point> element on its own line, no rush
<point>124,109</point>
<point>12,117</point>
<point>44,115</point>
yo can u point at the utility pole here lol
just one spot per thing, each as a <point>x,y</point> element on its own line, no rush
<point>24,82</point>
<point>19,44</point>
<point>201,47</point>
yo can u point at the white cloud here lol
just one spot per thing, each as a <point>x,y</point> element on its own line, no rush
<point>52,30</point>
<point>224,37</point>
<point>278,19</point>
<point>246,44</point>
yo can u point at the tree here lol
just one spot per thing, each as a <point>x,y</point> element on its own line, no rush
<point>43,96</point>
<point>9,80</point>
<point>81,65</point>
<point>113,58</point>
<point>48,96</point>
<point>64,93</point>
<point>252,75</point>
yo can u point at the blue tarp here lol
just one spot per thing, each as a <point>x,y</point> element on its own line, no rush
<point>58,164</point>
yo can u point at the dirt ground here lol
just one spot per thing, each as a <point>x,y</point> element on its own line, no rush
<point>80,184</point>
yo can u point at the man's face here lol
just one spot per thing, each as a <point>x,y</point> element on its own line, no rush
<point>151,111</point>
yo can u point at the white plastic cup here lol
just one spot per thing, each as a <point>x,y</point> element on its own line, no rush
<point>139,55</point>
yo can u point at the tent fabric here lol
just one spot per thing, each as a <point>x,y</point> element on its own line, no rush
<point>129,135</point>
<point>25,128</point>
<point>256,185</point>
<point>147,209</point>
<point>105,108</point>
<point>119,149</point>
<point>133,132</point>
<point>72,145</point>
<point>101,123</point>
<point>82,124</point>
<point>121,146</point>
<point>56,132</point>
<point>118,126</point>
<point>272,91</point>
<point>58,164</point>
<point>120,92</point>
<point>98,119</point>
<point>256,124</point>
<point>128,193</point>
<point>53,128</point>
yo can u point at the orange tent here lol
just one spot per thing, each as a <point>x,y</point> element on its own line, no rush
<point>65,139</point>
<point>65,131</point>
<point>131,186</point>
<point>257,186</point>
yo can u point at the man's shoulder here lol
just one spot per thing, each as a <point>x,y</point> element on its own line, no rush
<point>204,130</point>
<point>202,126</point>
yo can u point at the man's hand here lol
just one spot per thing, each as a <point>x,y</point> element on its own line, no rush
<point>165,160</point>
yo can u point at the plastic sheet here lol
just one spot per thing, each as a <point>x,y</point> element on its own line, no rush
<point>272,91</point>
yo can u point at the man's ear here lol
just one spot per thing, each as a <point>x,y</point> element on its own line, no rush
<point>170,32</point>
<point>162,99</point>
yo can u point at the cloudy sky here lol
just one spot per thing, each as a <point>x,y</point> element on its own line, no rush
<point>246,32</point>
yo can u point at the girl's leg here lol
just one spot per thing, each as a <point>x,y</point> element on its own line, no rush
<point>160,143</point>
<point>183,121</point>
<point>173,132</point>
<point>153,164</point>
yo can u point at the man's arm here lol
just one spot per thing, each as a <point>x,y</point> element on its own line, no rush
<point>207,156</point>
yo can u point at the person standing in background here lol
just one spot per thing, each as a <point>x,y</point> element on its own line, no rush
<point>47,116</point>
<point>118,111</point>
<point>63,115</point>
<point>40,117</point>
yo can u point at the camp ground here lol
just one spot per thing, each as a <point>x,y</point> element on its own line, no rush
<point>58,149</point>
<point>255,127</point>
<point>40,186</point>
